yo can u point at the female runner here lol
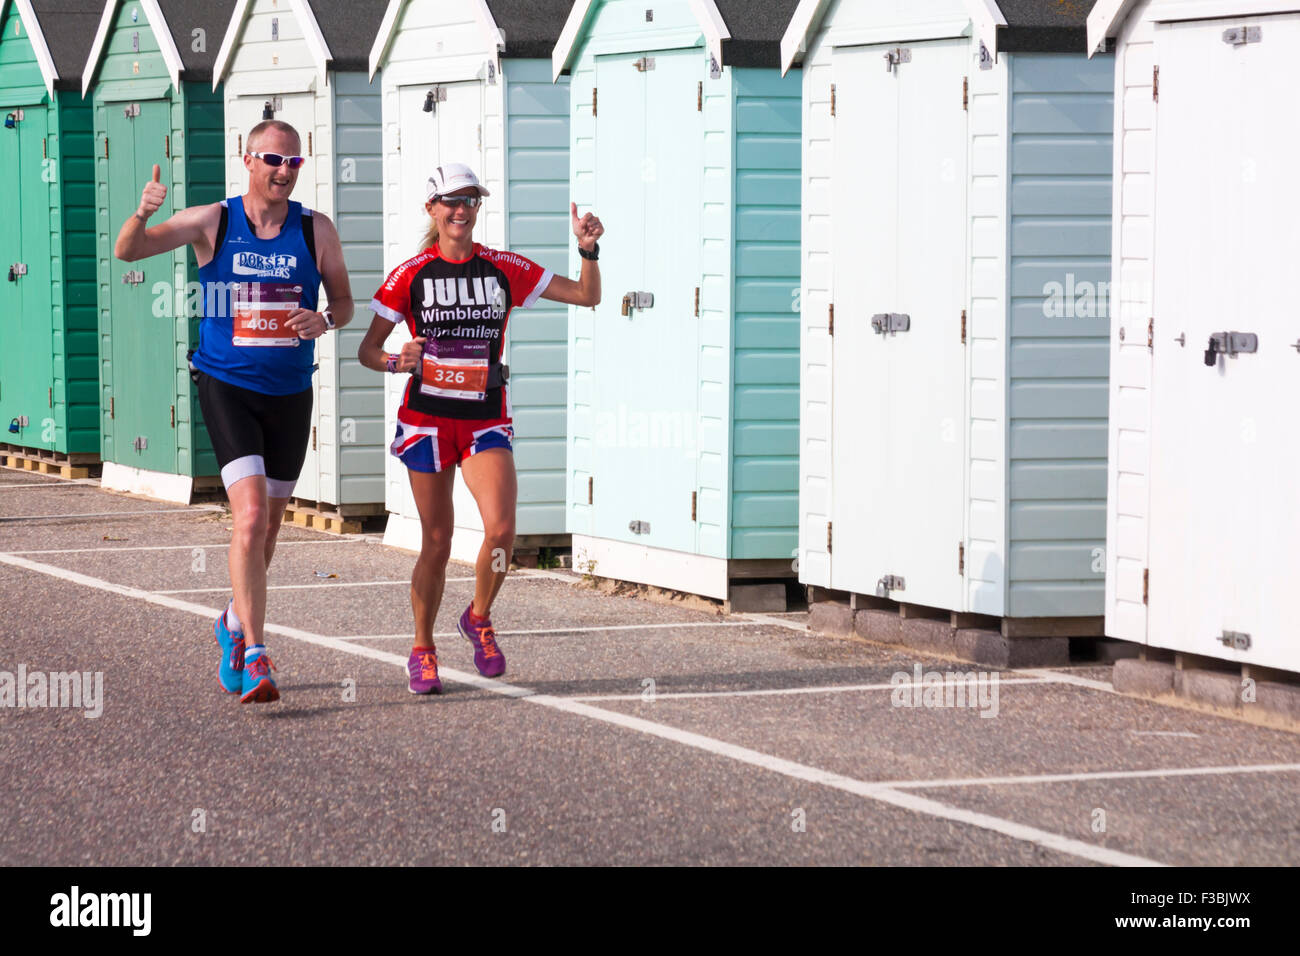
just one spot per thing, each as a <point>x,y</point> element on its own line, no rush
<point>455,297</point>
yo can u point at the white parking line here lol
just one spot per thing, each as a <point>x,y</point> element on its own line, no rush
<point>798,771</point>
<point>173,547</point>
<point>297,587</point>
<point>20,485</point>
<point>114,514</point>
<point>821,689</point>
<point>570,630</point>
<point>1092,775</point>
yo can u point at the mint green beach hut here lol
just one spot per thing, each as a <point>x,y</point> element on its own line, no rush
<point>684,383</point>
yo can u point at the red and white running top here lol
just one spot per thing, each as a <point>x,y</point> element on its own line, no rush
<point>461,308</point>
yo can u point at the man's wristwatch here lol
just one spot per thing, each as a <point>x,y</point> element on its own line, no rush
<point>329,319</point>
<point>593,255</point>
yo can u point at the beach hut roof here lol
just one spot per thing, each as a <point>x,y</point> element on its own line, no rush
<point>173,23</point>
<point>1007,26</point>
<point>737,32</point>
<point>60,32</point>
<point>520,29</point>
<point>337,32</point>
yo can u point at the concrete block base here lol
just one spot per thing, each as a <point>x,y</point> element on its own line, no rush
<point>992,649</point>
<point>831,617</point>
<point>1145,678</point>
<point>757,598</point>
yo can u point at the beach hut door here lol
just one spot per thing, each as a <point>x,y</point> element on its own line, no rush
<point>898,359</point>
<point>142,296</point>
<point>646,381</point>
<point>27,364</point>
<point>1225,515</point>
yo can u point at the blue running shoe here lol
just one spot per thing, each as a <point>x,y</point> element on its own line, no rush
<point>230,672</point>
<point>259,686</point>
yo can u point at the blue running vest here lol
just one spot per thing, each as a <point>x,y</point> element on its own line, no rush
<point>249,288</point>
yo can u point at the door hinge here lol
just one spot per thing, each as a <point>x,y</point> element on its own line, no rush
<point>593,101</point>
<point>1155,83</point>
<point>106,147</point>
<point>309,152</point>
<point>399,140</point>
<point>591,482</point>
<point>963,326</point>
<point>828,537</point>
<point>51,397</point>
<point>830,319</point>
<point>965,92</point>
<point>961,558</point>
<point>644,64</point>
<point>1146,584</point>
<point>699,97</point>
<point>693,505</point>
<point>832,99</point>
<point>313,438</point>
<point>173,416</point>
<point>112,407</point>
<point>1151,332</point>
<point>45,150</point>
<point>697,300</point>
<point>240,148</point>
<point>167,145</point>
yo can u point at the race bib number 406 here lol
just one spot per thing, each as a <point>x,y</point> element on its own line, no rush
<point>259,312</point>
<point>455,369</point>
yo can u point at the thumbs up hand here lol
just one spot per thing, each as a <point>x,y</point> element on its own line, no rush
<point>154,194</point>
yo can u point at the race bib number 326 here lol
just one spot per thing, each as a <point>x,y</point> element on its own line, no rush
<point>455,369</point>
<point>259,311</point>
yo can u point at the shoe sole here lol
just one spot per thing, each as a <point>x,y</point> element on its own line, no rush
<point>423,693</point>
<point>461,628</point>
<point>264,693</point>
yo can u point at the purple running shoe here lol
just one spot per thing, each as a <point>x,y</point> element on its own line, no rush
<point>487,656</point>
<point>422,666</point>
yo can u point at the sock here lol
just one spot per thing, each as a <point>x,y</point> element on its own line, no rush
<point>424,650</point>
<point>253,653</point>
<point>474,618</point>
<point>232,619</point>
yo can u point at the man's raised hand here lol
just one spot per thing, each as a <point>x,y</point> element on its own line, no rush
<point>155,193</point>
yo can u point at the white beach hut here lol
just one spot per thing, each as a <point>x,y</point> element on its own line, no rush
<point>1203,512</point>
<point>304,62</point>
<point>956,213</point>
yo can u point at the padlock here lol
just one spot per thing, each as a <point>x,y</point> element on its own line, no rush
<point>12,275</point>
<point>627,304</point>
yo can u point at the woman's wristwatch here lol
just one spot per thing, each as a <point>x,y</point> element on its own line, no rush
<point>328,316</point>
<point>593,255</point>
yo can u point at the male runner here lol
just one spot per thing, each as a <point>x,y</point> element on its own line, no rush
<point>262,259</point>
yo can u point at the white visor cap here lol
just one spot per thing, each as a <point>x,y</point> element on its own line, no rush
<point>450,177</point>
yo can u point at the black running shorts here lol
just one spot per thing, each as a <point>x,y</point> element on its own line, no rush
<point>256,434</point>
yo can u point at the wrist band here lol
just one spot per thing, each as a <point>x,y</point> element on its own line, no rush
<point>392,363</point>
<point>593,255</point>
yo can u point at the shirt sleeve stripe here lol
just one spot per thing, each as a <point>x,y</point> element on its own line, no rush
<point>538,289</point>
<point>384,312</point>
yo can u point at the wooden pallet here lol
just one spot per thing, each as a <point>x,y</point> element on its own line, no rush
<point>76,465</point>
<point>336,519</point>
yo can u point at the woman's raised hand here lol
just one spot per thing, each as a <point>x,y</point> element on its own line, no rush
<point>588,228</point>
